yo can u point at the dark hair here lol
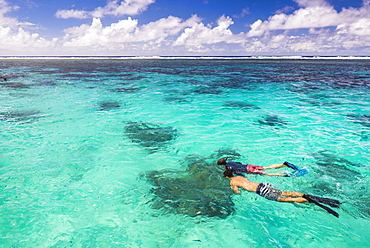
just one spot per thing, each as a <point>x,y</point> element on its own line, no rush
<point>228,173</point>
<point>222,161</point>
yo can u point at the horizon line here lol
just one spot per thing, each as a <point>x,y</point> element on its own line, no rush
<point>183,57</point>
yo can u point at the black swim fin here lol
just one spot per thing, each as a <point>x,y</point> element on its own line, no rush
<point>290,165</point>
<point>331,202</point>
<point>311,199</point>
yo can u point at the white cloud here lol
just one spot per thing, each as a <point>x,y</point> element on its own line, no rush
<point>113,8</point>
<point>166,33</point>
<point>324,41</point>
<point>8,21</point>
<point>199,34</point>
<point>4,9</point>
<point>164,27</point>
<point>125,33</point>
<point>311,17</point>
<point>311,3</point>
<point>20,41</point>
<point>315,14</point>
<point>358,28</point>
<point>243,13</point>
<point>351,33</point>
<point>78,14</point>
<point>14,38</point>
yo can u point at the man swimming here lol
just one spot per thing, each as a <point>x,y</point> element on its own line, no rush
<point>239,168</point>
<point>267,191</point>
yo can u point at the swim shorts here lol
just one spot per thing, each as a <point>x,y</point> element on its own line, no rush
<point>254,169</point>
<point>267,191</point>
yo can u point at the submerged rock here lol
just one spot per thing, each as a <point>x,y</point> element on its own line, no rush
<point>234,83</point>
<point>208,90</point>
<point>200,190</point>
<point>231,153</point>
<point>127,89</point>
<point>134,78</point>
<point>172,99</point>
<point>272,120</point>
<point>19,115</point>
<point>348,182</point>
<point>326,157</point>
<point>240,105</point>
<point>108,105</point>
<point>307,88</point>
<point>149,135</point>
<point>15,85</point>
<point>46,83</point>
<point>362,119</point>
<point>335,167</point>
<point>5,77</point>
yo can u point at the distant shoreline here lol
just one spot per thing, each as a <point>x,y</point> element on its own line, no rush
<point>182,57</point>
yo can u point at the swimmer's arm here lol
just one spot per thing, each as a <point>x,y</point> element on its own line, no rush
<point>235,189</point>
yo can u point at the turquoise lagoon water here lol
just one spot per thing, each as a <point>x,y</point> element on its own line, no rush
<point>73,174</point>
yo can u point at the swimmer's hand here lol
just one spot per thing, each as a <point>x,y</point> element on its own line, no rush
<point>235,189</point>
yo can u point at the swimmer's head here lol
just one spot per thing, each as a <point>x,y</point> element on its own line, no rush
<point>222,161</point>
<point>228,173</point>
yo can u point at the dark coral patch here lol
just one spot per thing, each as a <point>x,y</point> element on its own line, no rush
<point>172,99</point>
<point>108,105</point>
<point>208,90</point>
<point>240,105</point>
<point>272,120</point>
<point>15,85</point>
<point>346,177</point>
<point>233,83</point>
<point>127,89</point>
<point>362,119</point>
<point>200,190</point>
<point>47,83</point>
<point>149,135</point>
<point>134,78</point>
<point>19,115</point>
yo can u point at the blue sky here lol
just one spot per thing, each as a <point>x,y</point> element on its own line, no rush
<point>186,27</point>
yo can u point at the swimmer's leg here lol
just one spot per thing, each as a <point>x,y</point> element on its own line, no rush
<point>274,166</point>
<point>292,194</point>
<point>285,164</point>
<point>292,199</point>
<point>274,174</point>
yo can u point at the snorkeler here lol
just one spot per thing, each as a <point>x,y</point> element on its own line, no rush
<point>267,191</point>
<point>239,168</point>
